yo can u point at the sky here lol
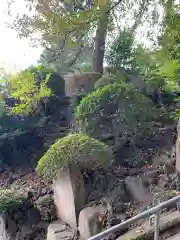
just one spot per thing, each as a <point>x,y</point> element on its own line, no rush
<point>15,53</point>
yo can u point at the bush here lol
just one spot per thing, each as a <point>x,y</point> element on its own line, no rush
<point>74,149</point>
<point>116,109</point>
<point>11,200</point>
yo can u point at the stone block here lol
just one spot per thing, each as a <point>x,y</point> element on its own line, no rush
<point>137,189</point>
<point>80,83</point>
<point>69,196</point>
<point>178,153</point>
<point>57,231</point>
<point>3,232</point>
<point>89,223</point>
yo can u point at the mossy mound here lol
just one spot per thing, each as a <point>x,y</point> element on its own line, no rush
<point>115,109</point>
<point>74,149</point>
<point>11,200</point>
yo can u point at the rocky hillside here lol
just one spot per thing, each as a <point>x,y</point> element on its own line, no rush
<point>142,144</point>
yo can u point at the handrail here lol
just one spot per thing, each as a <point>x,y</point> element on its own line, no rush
<point>142,215</point>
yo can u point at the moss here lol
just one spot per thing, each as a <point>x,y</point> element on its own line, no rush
<point>115,108</point>
<point>44,201</point>
<point>11,200</point>
<point>77,149</point>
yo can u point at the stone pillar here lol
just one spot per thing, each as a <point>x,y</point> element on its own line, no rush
<point>90,222</point>
<point>178,149</point>
<point>69,196</point>
<point>3,233</point>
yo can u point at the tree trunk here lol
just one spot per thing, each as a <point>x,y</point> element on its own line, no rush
<point>100,39</point>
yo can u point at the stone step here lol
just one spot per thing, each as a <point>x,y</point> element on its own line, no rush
<point>57,231</point>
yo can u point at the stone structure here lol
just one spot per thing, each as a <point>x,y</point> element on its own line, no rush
<point>90,221</point>
<point>57,231</point>
<point>69,196</point>
<point>137,189</point>
<point>178,149</point>
<point>3,233</point>
<point>80,83</point>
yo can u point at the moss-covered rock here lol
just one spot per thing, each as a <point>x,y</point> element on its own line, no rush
<point>11,200</point>
<point>105,80</point>
<point>46,206</point>
<point>116,109</point>
<point>74,149</point>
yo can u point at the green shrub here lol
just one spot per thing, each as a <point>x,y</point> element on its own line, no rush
<point>74,149</point>
<point>11,200</point>
<point>118,109</point>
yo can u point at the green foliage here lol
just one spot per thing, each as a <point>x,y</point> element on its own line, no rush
<point>170,40</point>
<point>74,149</point>
<point>11,200</point>
<point>118,109</point>
<point>27,91</point>
<point>2,105</point>
<point>125,53</point>
<point>120,52</point>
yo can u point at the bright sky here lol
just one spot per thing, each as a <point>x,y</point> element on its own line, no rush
<point>15,53</point>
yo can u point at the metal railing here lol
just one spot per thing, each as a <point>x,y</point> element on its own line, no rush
<point>154,210</point>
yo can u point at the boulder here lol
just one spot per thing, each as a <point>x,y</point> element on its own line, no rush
<point>89,221</point>
<point>137,189</point>
<point>69,196</point>
<point>80,83</point>
<point>165,157</point>
<point>119,193</point>
<point>150,177</point>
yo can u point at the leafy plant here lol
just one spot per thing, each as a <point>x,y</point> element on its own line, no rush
<point>27,91</point>
<point>11,200</point>
<point>120,53</point>
<point>75,149</point>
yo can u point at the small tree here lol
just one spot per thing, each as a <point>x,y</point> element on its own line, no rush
<point>121,53</point>
<point>74,149</point>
